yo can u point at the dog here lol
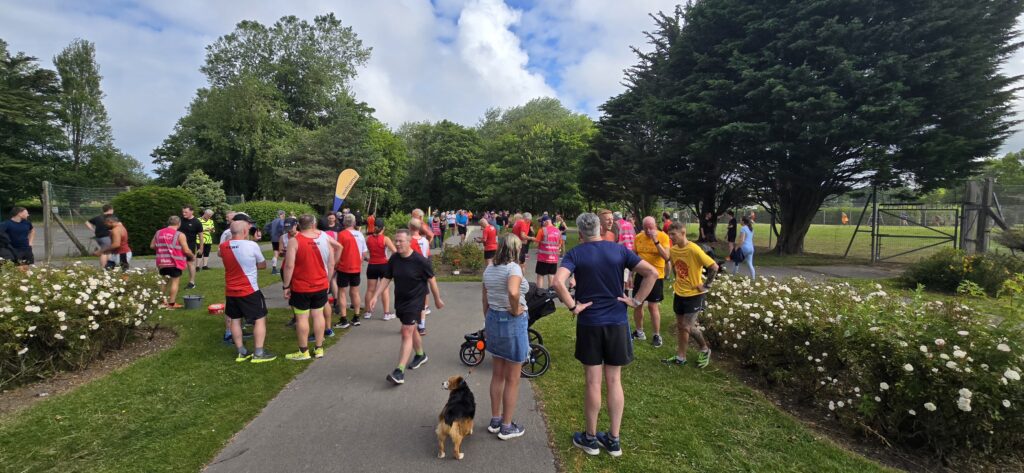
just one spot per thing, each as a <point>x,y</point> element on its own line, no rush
<point>456,419</point>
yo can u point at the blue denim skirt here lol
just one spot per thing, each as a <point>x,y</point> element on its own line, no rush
<point>507,335</point>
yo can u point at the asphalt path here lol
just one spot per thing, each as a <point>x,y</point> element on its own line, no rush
<point>341,414</point>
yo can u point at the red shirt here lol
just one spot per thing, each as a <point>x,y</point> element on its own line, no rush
<point>376,246</point>
<point>490,238</point>
<point>521,229</point>
<point>665,227</point>
<point>351,261</point>
<point>371,224</point>
<point>311,257</point>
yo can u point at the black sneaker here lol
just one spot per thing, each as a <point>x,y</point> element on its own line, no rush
<point>355,321</point>
<point>656,341</point>
<point>610,444</point>
<point>418,361</point>
<point>191,285</point>
<point>639,335</point>
<point>397,376</point>
<point>343,323</point>
<point>590,446</point>
<point>291,323</point>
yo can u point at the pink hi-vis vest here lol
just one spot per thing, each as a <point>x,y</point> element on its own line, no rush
<point>547,250</point>
<point>168,251</point>
<point>627,234</point>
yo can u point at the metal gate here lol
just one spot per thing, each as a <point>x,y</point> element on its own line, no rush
<point>908,222</point>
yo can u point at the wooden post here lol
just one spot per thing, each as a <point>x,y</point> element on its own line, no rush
<point>876,244</point>
<point>982,237</point>
<point>47,223</point>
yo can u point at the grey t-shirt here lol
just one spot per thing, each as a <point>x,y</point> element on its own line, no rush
<point>496,283</point>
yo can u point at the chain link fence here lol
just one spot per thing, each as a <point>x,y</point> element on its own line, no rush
<point>72,208</point>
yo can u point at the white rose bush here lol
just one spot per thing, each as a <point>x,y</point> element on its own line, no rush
<point>921,374</point>
<point>63,318</point>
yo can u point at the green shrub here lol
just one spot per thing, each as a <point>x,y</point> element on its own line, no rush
<point>1012,238</point>
<point>64,318</point>
<point>933,374</point>
<point>264,211</point>
<point>395,221</point>
<point>945,270</point>
<point>145,210</point>
<point>467,257</point>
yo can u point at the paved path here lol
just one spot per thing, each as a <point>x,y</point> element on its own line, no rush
<point>342,415</point>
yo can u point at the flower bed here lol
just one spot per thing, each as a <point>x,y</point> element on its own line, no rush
<point>63,318</point>
<point>920,374</point>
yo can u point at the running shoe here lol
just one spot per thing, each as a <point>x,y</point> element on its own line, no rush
<point>511,432</point>
<point>329,332</point>
<point>495,426</point>
<point>656,341</point>
<point>639,335</point>
<point>397,376</point>
<point>675,360</point>
<point>291,323</point>
<point>388,317</point>
<point>191,285</point>
<point>590,446</point>
<point>273,271</point>
<point>265,357</point>
<point>355,321</point>
<point>240,358</point>
<point>299,356</point>
<point>704,358</point>
<point>426,310</point>
<point>318,352</point>
<point>228,338</point>
<point>343,323</point>
<point>206,268</point>
<point>418,361</point>
<point>423,331</point>
<point>610,444</point>
<point>367,315</point>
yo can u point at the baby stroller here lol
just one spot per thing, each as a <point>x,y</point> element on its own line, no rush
<point>539,303</point>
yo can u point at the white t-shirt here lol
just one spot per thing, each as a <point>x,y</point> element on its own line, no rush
<point>424,245</point>
<point>360,241</point>
<point>450,219</point>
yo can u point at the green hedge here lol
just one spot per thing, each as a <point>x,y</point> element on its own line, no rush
<point>264,211</point>
<point>145,210</point>
<point>64,318</point>
<point>946,270</point>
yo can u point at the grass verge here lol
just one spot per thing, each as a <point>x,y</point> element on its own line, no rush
<point>680,419</point>
<point>169,412</point>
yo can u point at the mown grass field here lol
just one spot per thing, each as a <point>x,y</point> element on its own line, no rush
<point>172,411</point>
<point>680,419</point>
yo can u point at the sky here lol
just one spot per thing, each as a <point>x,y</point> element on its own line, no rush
<point>431,59</point>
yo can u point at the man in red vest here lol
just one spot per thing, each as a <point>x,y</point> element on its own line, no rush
<point>242,261</point>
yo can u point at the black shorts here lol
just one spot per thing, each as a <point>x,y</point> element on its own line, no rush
<point>546,269</point>
<point>489,254</point>
<point>308,300</point>
<point>24,255</point>
<point>192,245</point>
<point>604,345</point>
<point>462,229</point>
<point>170,272</point>
<point>347,279</point>
<point>730,237</point>
<point>275,245</point>
<point>657,292</point>
<point>409,318</point>
<point>688,305</point>
<point>206,250</point>
<point>252,307</point>
<point>375,271</point>
<point>451,225</point>
<point>523,254</point>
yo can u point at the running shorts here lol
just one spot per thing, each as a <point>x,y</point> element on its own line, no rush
<point>688,305</point>
<point>275,245</point>
<point>657,292</point>
<point>347,279</point>
<point>489,254</point>
<point>462,229</point>
<point>546,269</point>
<point>409,318</point>
<point>252,307</point>
<point>170,272</point>
<point>604,345</point>
<point>308,300</point>
<point>206,251</point>
<point>375,271</point>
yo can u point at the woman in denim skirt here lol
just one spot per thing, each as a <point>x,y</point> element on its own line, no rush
<point>505,326</point>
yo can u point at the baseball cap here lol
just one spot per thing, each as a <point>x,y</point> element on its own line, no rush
<point>545,219</point>
<point>242,216</point>
<point>290,223</point>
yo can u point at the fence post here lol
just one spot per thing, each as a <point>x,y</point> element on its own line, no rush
<point>47,223</point>
<point>876,244</point>
<point>981,240</point>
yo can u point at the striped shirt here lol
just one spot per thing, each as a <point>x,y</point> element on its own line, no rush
<point>496,283</point>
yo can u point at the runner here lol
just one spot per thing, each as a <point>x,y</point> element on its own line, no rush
<point>413,276</point>
<point>118,242</point>
<point>564,230</point>
<point>309,257</point>
<point>652,245</point>
<point>21,234</point>
<point>101,233</point>
<point>419,244</point>
<point>243,298</point>
<point>666,222</point>
<point>371,224</point>
<point>627,233</point>
<point>548,241</point>
<point>276,230</point>
<point>730,233</point>
<point>206,220</point>
<point>435,226</point>
<point>522,228</point>
<point>192,228</point>
<point>172,254</point>
<point>609,231</point>
<point>489,237</point>
<point>378,246</point>
<point>348,270</point>
<point>690,289</point>
<point>461,222</point>
<point>425,227</point>
<point>450,218</point>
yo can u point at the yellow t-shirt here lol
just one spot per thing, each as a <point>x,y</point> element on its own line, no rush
<point>645,248</point>
<point>688,263</point>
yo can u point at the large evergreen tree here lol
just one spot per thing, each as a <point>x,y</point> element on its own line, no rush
<point>82,113</point>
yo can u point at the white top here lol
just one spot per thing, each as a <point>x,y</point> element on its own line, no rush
<point>424,245</point>
<point>360,241</point>
<point>247,255</point>
<point>450,218</point>
<point>496,283</point>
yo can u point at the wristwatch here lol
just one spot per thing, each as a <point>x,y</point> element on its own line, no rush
<point>637,302</point>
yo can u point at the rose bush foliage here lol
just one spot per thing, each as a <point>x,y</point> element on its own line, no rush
<point>919,373</point>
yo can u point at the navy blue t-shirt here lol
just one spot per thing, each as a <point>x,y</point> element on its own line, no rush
<point>18,233</point>
<point>598,267</point>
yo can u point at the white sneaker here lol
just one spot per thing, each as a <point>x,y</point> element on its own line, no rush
<point>389,317</point>
<point>367,315</point>
<point>426,310</point>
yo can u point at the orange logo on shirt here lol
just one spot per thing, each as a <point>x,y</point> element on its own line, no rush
<point>682,270</point>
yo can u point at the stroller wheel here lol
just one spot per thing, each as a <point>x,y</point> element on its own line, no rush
<point>470,355</point>
<point>535,337</point>
<point>537,363</point>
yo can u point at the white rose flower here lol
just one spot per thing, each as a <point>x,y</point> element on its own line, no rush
<point>963,333</point>
<point>912,412</point>
<point>81,337</point>
<point>63,327</point>
<point>878,399</point>
<point>959,354</point>
<point>831,405</point>
<point>931,407</point>
<point>24,350</point>
<point>1006,403</point>
<point>32,328</point>
<point>1003,347</point>
<point>924,349</point>
<point>951,364</point>
<point>940,342</point>
<point>58,336</point>
<point>840,403</point>
<point>964,404</point>
<point>964,392</point>
<point>1011,375</point>
<point>944,356</point>
<point>908,367</point>
<point>883,386</point>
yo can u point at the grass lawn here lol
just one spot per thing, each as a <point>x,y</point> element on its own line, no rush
<point>680,419</point>
<point>169,412</point>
